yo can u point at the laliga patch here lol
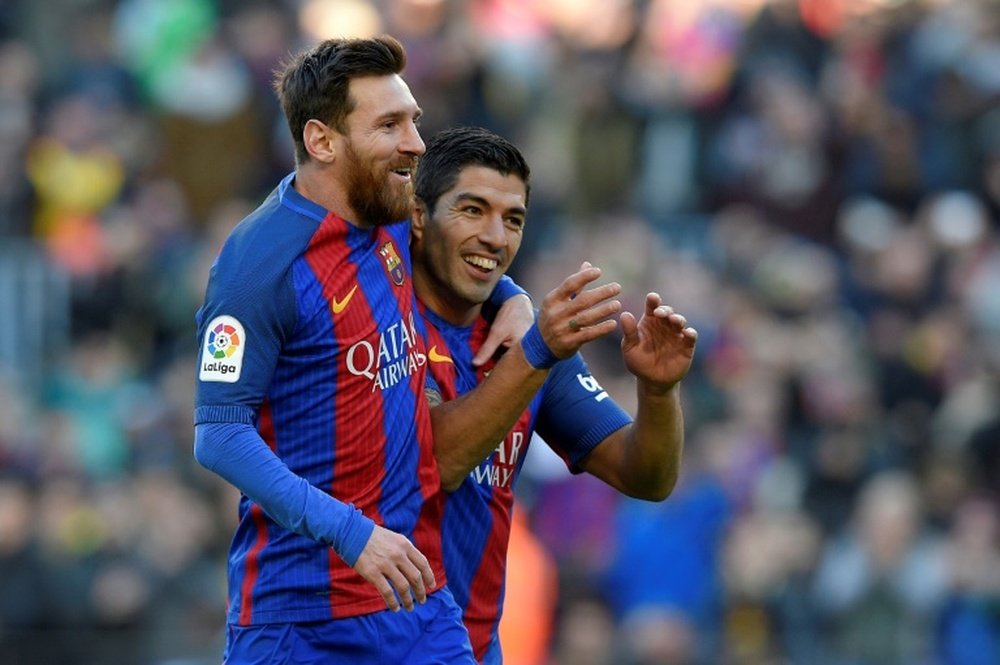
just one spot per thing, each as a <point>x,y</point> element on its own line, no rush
<point>222,352</point>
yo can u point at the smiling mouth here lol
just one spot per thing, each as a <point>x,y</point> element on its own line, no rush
<point>481,262</point>
<point>405,172</point>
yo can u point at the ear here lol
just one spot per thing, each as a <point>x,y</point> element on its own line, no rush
<point>418,220</point>
<point>320,141</point>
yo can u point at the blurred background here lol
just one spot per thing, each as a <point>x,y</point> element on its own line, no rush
<point>815,184</point>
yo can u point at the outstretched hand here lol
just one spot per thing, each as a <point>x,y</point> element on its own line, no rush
<point>572,315</point>
<point>396,568</point>
<point>659,347</point>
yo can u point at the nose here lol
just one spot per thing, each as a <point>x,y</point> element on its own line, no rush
<point>412,143</point>
<point>492,232</point>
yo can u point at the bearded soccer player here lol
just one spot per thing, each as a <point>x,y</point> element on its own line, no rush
<point>310,392</point>
<point>472,198</point>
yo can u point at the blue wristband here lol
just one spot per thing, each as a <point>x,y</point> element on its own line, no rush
<point>536,351</point>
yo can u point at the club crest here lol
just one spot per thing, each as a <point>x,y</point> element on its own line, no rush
<point>393,264</point>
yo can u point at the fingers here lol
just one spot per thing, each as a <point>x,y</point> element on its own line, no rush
<point>408,578</point>
<point>583,318</point>
<point>571,298</point>
<point>653,301</point>
<point>573,314</point>
<point>656,309</point>
<point>388,595</point>
<point>591,332</point>
<point>397,569</point>
<point>400,581</point>
<point>489,347</point>
<point>630,327</point>
<point>407,573</point>
<point>423,575</point>
<point>572,285</point>
<point>514,318</point>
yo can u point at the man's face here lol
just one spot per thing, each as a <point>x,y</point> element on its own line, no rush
<point>381,150</point>
<point>470,241</point>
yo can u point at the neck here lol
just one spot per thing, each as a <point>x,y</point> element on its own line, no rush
<point>435,297</point>
<point>319,184</point>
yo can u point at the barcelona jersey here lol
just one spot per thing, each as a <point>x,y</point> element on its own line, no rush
<point>310,334</point>
<point>570,412</point>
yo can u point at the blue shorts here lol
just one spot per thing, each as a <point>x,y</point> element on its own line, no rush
<point>432,634</point>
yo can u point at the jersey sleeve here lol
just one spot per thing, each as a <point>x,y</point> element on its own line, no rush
<point>249,308</point>
<point>237,453</point>
<point>576,414</point>
<point>505,289</point>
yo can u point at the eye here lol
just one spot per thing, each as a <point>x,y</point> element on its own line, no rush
<point>472,210</point>
<point>515,222</point>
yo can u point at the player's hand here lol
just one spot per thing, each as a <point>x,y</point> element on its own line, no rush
<point>511,322</point>
<point>659,347</point>
<point>396,568</point>
<point>572,315</point>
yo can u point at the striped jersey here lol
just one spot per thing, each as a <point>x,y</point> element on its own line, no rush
<point>310,333</point>
<point>571,413</point>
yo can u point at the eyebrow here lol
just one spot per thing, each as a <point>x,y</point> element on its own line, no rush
<point>399,115</point>
<point>466,197</point>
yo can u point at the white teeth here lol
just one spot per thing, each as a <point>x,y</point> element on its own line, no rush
<point>481,262</point>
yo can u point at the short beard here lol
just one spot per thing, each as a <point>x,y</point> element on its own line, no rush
<point>373,200</point>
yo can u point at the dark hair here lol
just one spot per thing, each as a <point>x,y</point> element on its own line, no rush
<point>451,150</point>
<point>314,83</point>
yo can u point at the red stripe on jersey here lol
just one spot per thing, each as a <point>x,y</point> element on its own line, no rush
<point>359,457</point>
<point>251,568</point>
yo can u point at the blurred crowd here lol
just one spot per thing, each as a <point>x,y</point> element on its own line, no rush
<point>814,184</point>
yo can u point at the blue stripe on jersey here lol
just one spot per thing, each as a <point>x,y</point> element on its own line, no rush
<point>299,427</point>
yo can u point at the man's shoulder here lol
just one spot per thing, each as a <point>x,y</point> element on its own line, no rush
<point>269,237</point>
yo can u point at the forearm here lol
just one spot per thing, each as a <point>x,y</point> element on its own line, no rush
<point>653,457</point>
<point>469,428</point>
<point>643,459</point>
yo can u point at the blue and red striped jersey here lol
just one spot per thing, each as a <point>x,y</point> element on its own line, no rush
<point>571,413</point>
<point>310,333</point>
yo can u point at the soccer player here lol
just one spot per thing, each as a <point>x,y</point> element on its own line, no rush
<point>310,391</point>
<point>472,196</point>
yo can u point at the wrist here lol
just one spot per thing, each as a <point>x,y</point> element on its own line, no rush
<point>658,390</point>
<point>353,535</point>
<point>536,351</point>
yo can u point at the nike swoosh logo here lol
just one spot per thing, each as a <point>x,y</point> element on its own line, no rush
<point>338,305</point>
<point>436,357</point>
